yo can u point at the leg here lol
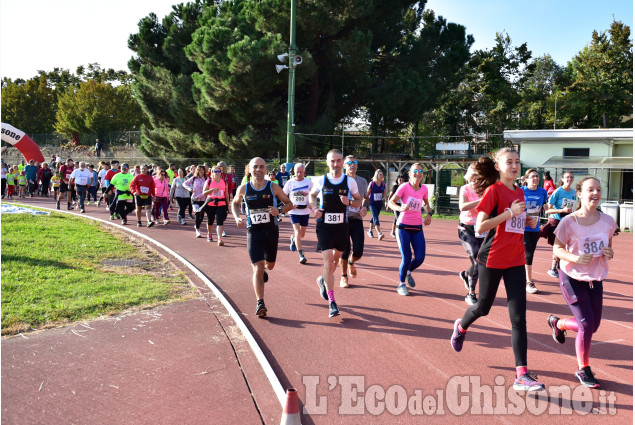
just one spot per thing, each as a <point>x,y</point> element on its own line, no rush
<point>517,306</point>
<point>258,279</point>
<point>489,280</point>
<point>418,242</point>
<point>403,242</point>
<point>298,232</point>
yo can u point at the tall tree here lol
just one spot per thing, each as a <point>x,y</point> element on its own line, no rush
<point>29,105</point>
<point>602,75</point>
<point>543,82</point>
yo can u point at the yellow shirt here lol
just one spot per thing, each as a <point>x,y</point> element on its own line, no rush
<point>55,180</point>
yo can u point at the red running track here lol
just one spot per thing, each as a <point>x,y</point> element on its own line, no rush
<point>388,359</point>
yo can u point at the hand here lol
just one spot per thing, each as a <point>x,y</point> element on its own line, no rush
<point>427,220</point>
<point>566,210</point>
<point>240,223</point>
<point>214,189</point>
<point>608,252</point>
<point>345,200</point>
<point>532,222</point>
<point>404,207</point>
<point>584,259</point>
<point>517,207</point>
<point>274,211</point>
<point>318,213</point>
<point>363,211</point>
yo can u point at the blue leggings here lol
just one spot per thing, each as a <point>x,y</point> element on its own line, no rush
<point>405,239</point>
<point>375,209</point>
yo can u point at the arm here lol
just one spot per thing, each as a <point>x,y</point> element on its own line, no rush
<point>288,205</point>
<point>313,198</point>
<point>560,251</point>
<point>465,205</point>
<point>236,206</point>
<point>392,203</point>
<point>428,219</point>
<point>484,222</point>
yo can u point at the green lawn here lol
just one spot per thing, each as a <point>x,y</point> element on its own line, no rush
<point>54,271</point>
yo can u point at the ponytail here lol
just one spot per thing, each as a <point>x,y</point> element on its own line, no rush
<point>486,174</point>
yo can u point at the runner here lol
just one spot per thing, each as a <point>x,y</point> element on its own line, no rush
<point>65,187</point>
<point>398,182</point>
<point>468,200</point>
<point>142,188</point>
<point>283,175</point>
<point>123,197</point>
<point>335,192</point>
<point>82,179</point>
<point>376,195</point>
<point>94,184</point>
<point>112,199</point>
<point>181,194</point>
<point>560,205</point>
<point>355,225</point>
<point>195,185</point>
<point>103,169</point>
<point>216,204</point>
<point>535,200</point>
<point>583,243</point>
<point>548,184</point>
<point>161,196</point>
<point>410,225</point>
<point>298,189</point>
<point>11,184</point>
<point>502,212</point>
<point>262,231</point>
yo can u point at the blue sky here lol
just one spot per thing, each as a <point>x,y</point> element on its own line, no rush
<point>560,28</point>
<point>44,34</point>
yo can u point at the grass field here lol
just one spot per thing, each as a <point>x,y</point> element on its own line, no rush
<point>57,269</point>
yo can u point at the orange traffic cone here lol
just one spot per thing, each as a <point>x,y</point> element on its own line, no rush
<point>291,412</point>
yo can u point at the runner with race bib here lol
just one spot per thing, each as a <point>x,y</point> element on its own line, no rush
<point>335,192</point>
<point>502,255</point>
<point>260,197</point>
<point>298,189</point>
<point>583,244</point>
<point>560,205</point>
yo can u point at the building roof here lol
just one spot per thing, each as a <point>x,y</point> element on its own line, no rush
<point>594,162</point>
<point>573,135</point>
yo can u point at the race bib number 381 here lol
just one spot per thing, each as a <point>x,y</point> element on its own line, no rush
<point>333,218</point>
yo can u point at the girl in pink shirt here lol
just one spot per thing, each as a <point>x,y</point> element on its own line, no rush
<point>468,200</point>
<point>413,196</point>
<point>162,195</point>
<point>583,244</point>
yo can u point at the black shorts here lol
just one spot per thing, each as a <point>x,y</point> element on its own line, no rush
<point>530,240</point>
<point>331,236</point>
<point>141,202</point>
<point>262,245</point>
<point>63,187</point>
<point>219,213</point>
<point>356,232</point>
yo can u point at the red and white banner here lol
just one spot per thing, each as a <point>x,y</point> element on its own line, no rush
<point>22,142</point>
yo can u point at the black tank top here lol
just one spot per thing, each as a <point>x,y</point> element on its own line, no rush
<point>257,203</point>
<point>331,203</point>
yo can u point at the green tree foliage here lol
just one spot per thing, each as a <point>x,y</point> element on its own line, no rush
<point>29,105</point>
<point>380,56</point>
<point>536,107</point>
<point>602,80</point>
<point>97,107</point>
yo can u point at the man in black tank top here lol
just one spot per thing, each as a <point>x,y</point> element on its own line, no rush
<point>330,198</point>
<point>262,226</point>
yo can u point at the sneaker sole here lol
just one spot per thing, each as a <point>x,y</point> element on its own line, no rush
<point>411,281</point>
<point>322,286</point>
<point>337,313</point>
<point>262,312</point>
<point>464,281</point>
<point>302,260</point>
<point>586,384</point>
<point>523,387</point>
<point>553,330</point>
<point>454,330</point>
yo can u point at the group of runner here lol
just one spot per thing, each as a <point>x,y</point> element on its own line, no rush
<point>499,228</point>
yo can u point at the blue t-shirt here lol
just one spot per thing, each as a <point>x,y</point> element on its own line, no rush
<point>95,181</point>
<point>534,200</point>
<point>557,199</point>
<point>283,178</point>
<point>376,194</point>
<point>31,172</point>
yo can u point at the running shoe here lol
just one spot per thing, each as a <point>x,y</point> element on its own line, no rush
<point>139,223</point>
<point>344,282</point>
<point>320,282</point>
<point>410,280</point>
<point>166,222</point>
<point>464,279</point>
<point>333,310</point>
<point>352,270</point>
<point>58,205</point>
<point>587,378</point>
<point>531,288</point>
<point>124,221</point>
<point>457,337</point>
<point>224,234</point>
<point>220,242</point>
<point>553,273</point>
<point>261,310</point>
<point>528,382</point>
<point>185,222</point>
<point>82,210</point>
<point>402,290</point>
<point>70,207</point>
<point>380,236</point>
<point>392,234</point>
<point>370,233</point>
<point>209,238</point>
<point>558,335</point>
<point>178,219</point>
<point>112,216</point>
<point>151,223</point>
<point>118,216</point>
<point>198,234</point>
<point>292,246</point>
<point>265,276</point>
<point>302,259</point>
<point>471,299</point>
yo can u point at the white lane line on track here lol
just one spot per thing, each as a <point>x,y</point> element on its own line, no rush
<point>266,367</point>
<point>501,326</point>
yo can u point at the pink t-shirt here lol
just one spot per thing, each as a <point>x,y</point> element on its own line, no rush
<point>469,216</point>
<point>414,199</point>
<point>220,193</point>
<point>591,239</point>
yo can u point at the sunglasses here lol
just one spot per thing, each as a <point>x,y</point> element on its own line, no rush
<point>217,171</point>
<point>351,162</point>
<point>417,171</point>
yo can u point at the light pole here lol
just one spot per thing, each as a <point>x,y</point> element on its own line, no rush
<point>291,99</point>
<point>555,109</point>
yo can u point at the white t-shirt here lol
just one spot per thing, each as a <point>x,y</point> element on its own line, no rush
<point>101,175</point>
<point>318,184</point>
<point>82,177</point>
<point>298,192</point>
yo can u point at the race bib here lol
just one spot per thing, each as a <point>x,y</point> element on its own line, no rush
<point>220,193</point>
<point>567,203</point>
<point>144,189</point>
<point>333,218</point>
<point>82,181</point>
<point>68,176</point>
<point>414,204</point>
<point>377,196</point>
<point>300,199</point>
<point>260,217</point>
<point>591,245</point>
<point>516,224</point>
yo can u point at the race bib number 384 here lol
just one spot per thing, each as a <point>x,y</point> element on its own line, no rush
<point>593,245</point>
